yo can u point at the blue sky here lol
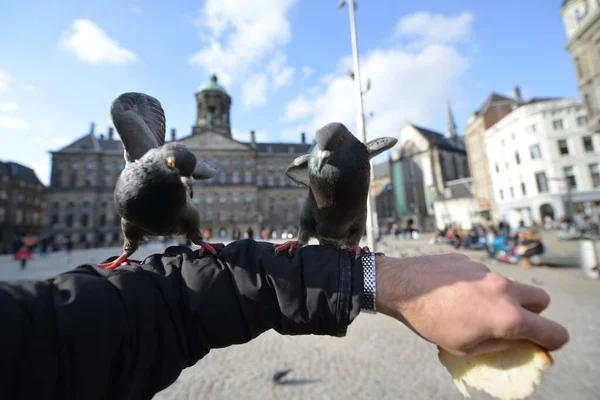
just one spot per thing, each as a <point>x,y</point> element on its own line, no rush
<point>284,62</point>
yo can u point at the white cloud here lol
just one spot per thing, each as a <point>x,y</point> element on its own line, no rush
<point>136,10</point>
<point>281,73</point>
<point>5,78</point>
<point>254,91</point>
<point>13,123</point>
<point>8,107</point>
<point>90,44</point>
<point>407,85</point>
<point>307,71</point>
<point>297,109</point>
<point>240,35</point>
<point>435,28</point>
<point>243,136</point>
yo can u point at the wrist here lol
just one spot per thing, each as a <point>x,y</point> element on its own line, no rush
<point>389,286</point>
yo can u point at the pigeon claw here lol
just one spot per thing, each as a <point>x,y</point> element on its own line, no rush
<point>121,260</point>
<point>208,246</point>
<point>290,245</point>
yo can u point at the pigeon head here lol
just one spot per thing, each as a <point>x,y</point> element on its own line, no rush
<point>331,140</point>
<point>177,158</point>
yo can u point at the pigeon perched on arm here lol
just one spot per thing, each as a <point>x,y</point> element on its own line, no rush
<point>153,194</point>
<point>337,174</point>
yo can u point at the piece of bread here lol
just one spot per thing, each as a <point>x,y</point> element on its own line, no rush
<point>510,374</point>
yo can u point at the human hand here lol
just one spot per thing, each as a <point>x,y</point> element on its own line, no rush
<point>461,306</point>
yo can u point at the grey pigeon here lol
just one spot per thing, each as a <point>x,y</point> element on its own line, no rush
<point>153,194</point>
<point>337,173</point>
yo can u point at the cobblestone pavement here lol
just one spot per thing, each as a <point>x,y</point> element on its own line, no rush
<point>379,358</point>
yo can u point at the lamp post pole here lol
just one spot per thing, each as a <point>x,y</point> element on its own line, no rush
<point>360,122</point>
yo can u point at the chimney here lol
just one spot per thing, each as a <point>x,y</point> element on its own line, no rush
<point>111,132</point>
<point>518,94</point>
<point>173,134</point>
<point>303,136</point>
<point>253,139</point>
<point>92,127</point>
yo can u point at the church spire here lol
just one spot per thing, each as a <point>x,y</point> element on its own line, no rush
<point>452,131</point>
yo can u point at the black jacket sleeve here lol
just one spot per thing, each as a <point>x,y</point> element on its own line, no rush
<point>92,333</point>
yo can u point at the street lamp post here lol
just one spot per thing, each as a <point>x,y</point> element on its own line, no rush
<point>360,121</point>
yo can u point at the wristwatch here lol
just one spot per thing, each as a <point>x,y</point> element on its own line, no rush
<point>367,303</point>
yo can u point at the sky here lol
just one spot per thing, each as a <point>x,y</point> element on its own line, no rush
<point>285,64</point>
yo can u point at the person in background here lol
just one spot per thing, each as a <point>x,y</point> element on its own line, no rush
<point>249,233</point>
<point>23,255</point>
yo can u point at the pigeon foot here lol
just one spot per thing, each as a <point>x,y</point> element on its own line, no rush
<point>208,246</point>
<point>122,260</point>
<point>290,245</point>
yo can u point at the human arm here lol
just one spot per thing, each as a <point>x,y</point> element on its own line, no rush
<point>94,333</point>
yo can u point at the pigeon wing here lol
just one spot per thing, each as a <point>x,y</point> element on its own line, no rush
<point>298,170</point>
<point>379,145</point>
<point>140,122</point>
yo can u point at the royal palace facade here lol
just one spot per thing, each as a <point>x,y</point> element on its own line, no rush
<point>251,189</point>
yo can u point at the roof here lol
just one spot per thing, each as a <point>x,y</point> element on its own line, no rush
<point>381,170</point>
<point>458,189</point>
<point>213,85</point>
<point>282,148</point>
<point>494,99</point>
<point>438,140</point>
<point>92,144</point>
<point>19,171</point>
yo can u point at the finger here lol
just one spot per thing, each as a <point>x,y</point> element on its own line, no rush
<point>489,346</point>
<point>530,297</point>
<point>547,333</point>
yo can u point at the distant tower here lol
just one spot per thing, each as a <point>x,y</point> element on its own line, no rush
<point>213,105</point>
<point>452,131</point>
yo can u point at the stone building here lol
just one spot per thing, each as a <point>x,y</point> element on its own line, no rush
<point>544,162</point>
<point>383,193</point>
<point>582,24</point>
<point>251,190</point>
<point>423,163</point>
<point>21,203</point>
<point>493,110</point>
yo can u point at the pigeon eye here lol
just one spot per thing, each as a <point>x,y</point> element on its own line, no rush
<point>171,162</point>
<point>340,140</point>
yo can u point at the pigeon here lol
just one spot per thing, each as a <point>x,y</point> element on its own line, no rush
<point>337,173</point>
<point>154,192</point>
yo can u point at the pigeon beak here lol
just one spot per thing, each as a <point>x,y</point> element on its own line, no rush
<point>203,171</point>
<point>322,157</point>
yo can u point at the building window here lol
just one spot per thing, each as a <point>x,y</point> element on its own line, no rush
<point>530,129</point>
<point>107,167</point>
<point>282,167</point>
<point>3,195</point>
<point>589,105</point>
<point>248,162</point>
<point>209,200</point>
<point>281,180</point>
<point>54,220</point>
<point>248,199</point>
<point>74,169</point>
<point>542,182</point>
<point>512,193</point>
<point>235,198</point>
<point>19,217</point>
<point>563,147</point>
<point>209,214</point>
<point>582,120</point>
<point>595,174</point>
<point>84,220</point>
<point>235,162</point>
<point>235,177</point>
<point>523,189</point>
<point>271,180</point>
<point>222,177</point>
<point>248,176</point>
<point>588,144</point>
<point>501,195</point>
<point>534,151</point>
<point>517,158</point>
<point>106,181</point>
<point>579,67</point>
<point>270,167</point>
<point>570,175</point>
<point>557,124</point>
<point>222,199</point>
<point>223,161</point>
<point>259,180</point>
<point>102,220</point>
